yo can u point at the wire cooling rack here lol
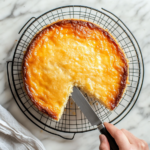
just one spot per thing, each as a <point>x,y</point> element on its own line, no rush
<point>73,120</point>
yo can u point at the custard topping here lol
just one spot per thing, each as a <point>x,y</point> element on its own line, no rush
<point>74,53</point>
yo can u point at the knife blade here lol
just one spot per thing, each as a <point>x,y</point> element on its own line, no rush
<point>87,110</point>
<point>85,107</point>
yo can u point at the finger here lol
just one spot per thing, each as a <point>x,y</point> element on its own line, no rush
<point>143,145</point>
<point>132,139</point>
<point>138,143</point>
<point>104,145</point>
<point>119,136</point>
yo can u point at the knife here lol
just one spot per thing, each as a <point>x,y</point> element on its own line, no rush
<point>85,107</point>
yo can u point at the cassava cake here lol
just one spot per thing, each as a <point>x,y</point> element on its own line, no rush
<point>71,53</point>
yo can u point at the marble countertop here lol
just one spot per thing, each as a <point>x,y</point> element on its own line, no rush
<point>135,14</point>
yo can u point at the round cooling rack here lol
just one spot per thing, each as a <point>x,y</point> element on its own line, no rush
<point>73,120</point>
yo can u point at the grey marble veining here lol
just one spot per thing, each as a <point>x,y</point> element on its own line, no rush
<point>135,14</point>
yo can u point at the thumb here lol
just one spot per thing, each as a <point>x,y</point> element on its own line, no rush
<point>104,145</point>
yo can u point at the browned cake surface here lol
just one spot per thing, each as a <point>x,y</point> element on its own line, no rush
<point>73,53</point>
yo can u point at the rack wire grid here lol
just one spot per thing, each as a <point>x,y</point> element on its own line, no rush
<point>73,120</point>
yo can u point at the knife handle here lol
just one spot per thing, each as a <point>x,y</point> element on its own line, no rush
<point>112,142</point>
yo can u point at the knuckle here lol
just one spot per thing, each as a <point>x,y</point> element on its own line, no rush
<point>145,144</point>
<point>142,145</point>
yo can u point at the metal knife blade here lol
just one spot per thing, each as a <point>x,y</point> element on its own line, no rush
<point>85,107</point>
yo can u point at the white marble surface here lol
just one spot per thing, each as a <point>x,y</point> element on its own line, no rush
<point>135,14</point>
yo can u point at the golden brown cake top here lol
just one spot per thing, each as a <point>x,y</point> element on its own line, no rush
<point>73,53</point>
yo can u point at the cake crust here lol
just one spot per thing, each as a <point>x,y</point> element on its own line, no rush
<point>81,30</point>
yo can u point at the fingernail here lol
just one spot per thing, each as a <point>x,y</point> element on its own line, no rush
<point>102,138</point>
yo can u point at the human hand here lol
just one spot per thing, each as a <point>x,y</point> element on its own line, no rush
<point>124,139</point>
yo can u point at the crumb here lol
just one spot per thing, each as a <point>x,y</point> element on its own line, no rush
<point>71,103</point>
<point>73,113</point>
<point>96,103</point>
